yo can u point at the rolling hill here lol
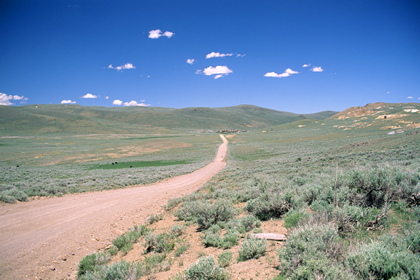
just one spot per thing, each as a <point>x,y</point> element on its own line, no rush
<point>45,119</point>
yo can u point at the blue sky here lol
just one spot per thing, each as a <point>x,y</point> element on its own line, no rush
<point>297,56</point>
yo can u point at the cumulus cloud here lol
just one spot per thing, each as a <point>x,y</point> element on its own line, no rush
<point>410,97</point>
<point>106,97</point>
<point>288,72</point>
<point>156,34</point>
<point>306,65</point>
<point>131,103</point>
<point>190,61</point>
<point>89,95</point>
<point>122,67</point>
<point>135,103</point>
<point>5,99</point>
<point>317,69</point>
<point>218,71</point>
<point>217,54</point>
<point>67,102</point>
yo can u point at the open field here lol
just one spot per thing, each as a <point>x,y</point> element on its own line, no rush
<point>345,191</point>
<point>348,200</point>
<point>57,165</point>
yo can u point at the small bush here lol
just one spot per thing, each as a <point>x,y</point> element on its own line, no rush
<point>183,246</point>
<point>121,271</point>
<point>379,260</point>
<point>206,269</point>
<point>92,262</point>
<point>312,252</point>
<point>268,206</point>
<point>163,242</point>
<point>252,248</point>
<point>224,258</point>
<point>292,218</point>
<point>125,242</point>
<point>206,214</point>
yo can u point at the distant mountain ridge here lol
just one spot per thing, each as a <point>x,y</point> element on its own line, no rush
<point>77,119</point>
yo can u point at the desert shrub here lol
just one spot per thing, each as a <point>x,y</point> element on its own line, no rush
<point>154,218</point>
<point>382,260</point>
<point>252,248</point>
<point>172,203</point>
<point>269,205</point>
<point>312,251</point>
<point>244,224</point>
<point>91,263</point>
<point>212,239</point>
<point>249,222</point>
<point>7,198</point>
<point>412,237</point>
<point>206,214</point>
<point>116,271</point>
<point>160,243</point>
<point>374,187</point>
<point>125,242</point>
<point>182,247</point>
<point>9,194</point>
<point>178,230</point>
<point>224,258</point>
<point>156,263</point>
<point>292,218</point>
<point>206,268</point>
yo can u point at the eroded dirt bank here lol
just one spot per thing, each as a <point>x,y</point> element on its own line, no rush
<point>45,239</point>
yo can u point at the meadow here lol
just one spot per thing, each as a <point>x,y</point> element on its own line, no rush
<point>349,200</point>
<point>58,165</point>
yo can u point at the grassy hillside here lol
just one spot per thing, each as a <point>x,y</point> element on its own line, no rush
<point>76,119</point>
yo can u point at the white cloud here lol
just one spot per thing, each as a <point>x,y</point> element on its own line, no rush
<point>219,71</point>
<point>190,61</point>
<point>156,34</point>
<point>106,97</point>
<point>217,54</point>
<point>306,65</point>
<point>135,103</point>
<point>317,69</point>
<point>5,99</point>
<point>89,95</point>
<point>67,102</point>
<point>122,67</point>
<point>131,103</point>
<point>410,97</point>
<point>288,72</point>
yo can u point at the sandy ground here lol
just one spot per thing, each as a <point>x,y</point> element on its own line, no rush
<point>46,238</point>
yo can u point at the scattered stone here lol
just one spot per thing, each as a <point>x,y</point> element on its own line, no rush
<point>52,268</point>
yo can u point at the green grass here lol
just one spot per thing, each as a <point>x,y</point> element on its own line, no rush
<point>138,164</point>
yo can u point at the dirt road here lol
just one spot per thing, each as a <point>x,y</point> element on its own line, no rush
<point>45,239</point>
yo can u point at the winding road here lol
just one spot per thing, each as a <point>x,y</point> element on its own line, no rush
<point>46,238</point>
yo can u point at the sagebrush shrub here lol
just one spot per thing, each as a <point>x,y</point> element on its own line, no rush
<point>206,214</point>
<point>92,262</point>
<point>269,205</point>
<point>312,251</point>
<point>252,248</point>
<point>378,260</point>
<point>224,258</point>
<point>206,268</point>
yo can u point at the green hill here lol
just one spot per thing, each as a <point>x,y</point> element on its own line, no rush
<point>76,119</point>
